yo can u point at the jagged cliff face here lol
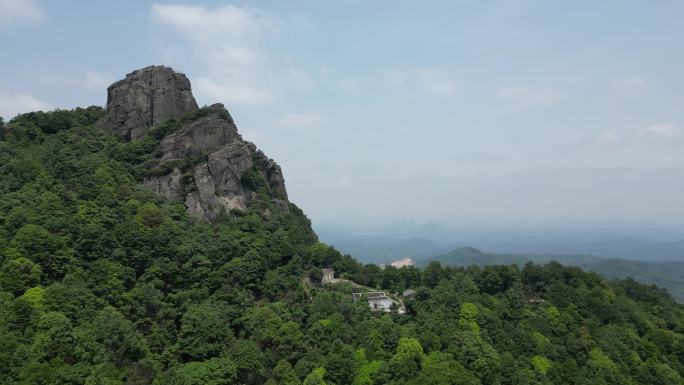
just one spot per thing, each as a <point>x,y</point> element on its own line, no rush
<point>227,172</point>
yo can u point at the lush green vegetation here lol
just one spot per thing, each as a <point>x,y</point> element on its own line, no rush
<point>101,282</point>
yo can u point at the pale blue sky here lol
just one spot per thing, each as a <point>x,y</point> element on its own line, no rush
<point>456,111</point>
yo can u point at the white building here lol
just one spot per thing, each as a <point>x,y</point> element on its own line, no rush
<point>377,300</point>
<point>403,262</point>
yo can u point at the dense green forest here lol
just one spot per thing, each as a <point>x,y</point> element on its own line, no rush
<point>102,282</point>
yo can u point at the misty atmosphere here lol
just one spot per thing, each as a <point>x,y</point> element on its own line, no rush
<point>363,192</point>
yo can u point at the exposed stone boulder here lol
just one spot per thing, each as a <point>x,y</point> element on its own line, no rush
<point>170,186</point>
<point>224,182</point>
<point>273,174</point>
<point>147,97</point>
<point>204,162</point>
<point>204,135</point>
<point>219,185</point>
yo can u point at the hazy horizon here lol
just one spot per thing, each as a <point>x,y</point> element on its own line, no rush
<point>459,112</point>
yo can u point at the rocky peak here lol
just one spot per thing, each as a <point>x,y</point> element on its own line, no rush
<point>203,162</point>
<point>147,97</point>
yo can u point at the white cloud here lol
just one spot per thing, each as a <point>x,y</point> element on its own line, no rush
<point>13,104</point>
<point>237,55</point>
<point>609,137</point>
<point>438,81</point>
<point>396,77</point>
<point>228,40</point>
<point>17,11</point>
<point>662,130</point>
<point>434,80</point>
<point>481,157</point>
<point>526,95</point>
<point>350,85</point>
<point>301,120</point>
<point>230,90</point>
<point>300,80</point>
<point>209,26</point>
<point>630,83</point>
<point>97,79</point>
<point>344,182</point>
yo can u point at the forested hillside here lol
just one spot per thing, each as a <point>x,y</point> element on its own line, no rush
<point>104,282</point>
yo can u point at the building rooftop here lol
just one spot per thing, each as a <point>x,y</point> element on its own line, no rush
<point>373,295</point>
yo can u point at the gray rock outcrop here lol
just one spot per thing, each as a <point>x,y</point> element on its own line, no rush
<point>147,97</point>
<point>206,134</point>
<point>204,163</point>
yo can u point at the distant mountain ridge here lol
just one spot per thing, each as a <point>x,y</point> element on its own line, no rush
<point>632,248</point>
<point>379,249</point>
<point>668,275</point>
<point>387,243</point>
<point>465,256</point>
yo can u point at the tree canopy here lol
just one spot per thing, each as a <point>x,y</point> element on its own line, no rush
<point>102,282</point>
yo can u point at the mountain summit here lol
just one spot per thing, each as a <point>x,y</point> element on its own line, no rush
<point>147,97</point>
<point>200,158</point>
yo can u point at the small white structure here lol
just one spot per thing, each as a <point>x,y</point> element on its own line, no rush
<point>328,276</point>
<point>408,293</point>
<point>377,300</point>
<point>403,262</point>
